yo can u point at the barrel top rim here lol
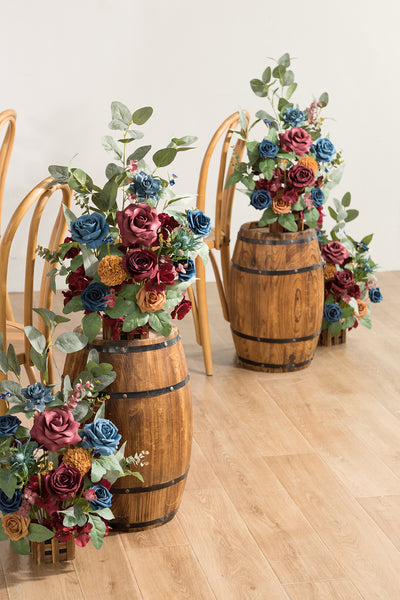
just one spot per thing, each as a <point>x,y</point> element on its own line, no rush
<point>154,337</point>
<point>252,227</point>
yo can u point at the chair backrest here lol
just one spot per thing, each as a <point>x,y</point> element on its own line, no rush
<point>39,195</point>
<point>7,119</point>
<point>224,197</point>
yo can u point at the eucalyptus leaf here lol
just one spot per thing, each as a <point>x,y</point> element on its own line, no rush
<point>324,99</point>
<point>111,146</point>
<point>36,338</point>
<point>142,115</point>
<point>98,531</point>
<point>39,533</point>
<point>112,169</point>
<point>139,153</point>
<point>160,322</point>
<point>284,60</point>
<point>47,315</point>
<point>38,359</point>
<point>93,356</point>
<point>91,325</point>
<point>346,200</point>
<point>71,341</point>
<point>288,222</point>
<point>259,88</point>
<point>59,173</point>
<point>266,76</point>
<point>12,360</point>
<point>121,112</point>
<point>21,546</point>
<point>108,196</point>
<point>90,262</point>
<point>101,413</point>
<point>3,362</point>
<point>74,305</point>
<point>164,157</point>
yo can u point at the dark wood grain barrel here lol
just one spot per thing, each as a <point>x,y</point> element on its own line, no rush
<point>276,298</point>
<point>150,403</point>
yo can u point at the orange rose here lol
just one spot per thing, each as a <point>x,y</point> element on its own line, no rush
<point>279,206</point>
<point>150,301</point>
<point>15,526</point>
<point>362,309</point>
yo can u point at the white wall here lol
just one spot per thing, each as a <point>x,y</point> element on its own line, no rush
<point>63,63</point>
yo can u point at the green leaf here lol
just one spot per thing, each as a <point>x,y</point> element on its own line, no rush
<point>263,115</point>
<point>3,362</point>
<point>8,482</point>
<point>91,325</point>
<point>368,239</point>
<point>90,262</point>
<point>60,319</point>
<point>248,181</point>
<point>160,322</point>
<point>84,180</point>
<point>93,356</point>
<point>290,91</point>
<point>101,413</point>
<point>311,217</point>
<point>233,179</point>
<point>97,470</point>
<point>38,359</point>
<point>282,103</point>
<point>139,153</point>
<point>333,213</point>
<point>351,215</point>
<point>268,217</point>
<point>39,533</point>
<point>266,76</point>
<point>335,328</point>
<point>288,222</point>
<point>259,88</point>
<point>288,78</point>
<point>36,339</point>
<point>69,215</point>
<point>346,200</point>
<point>97,532</point>
<point>3,535</point>
<point>142,115</point>
<point>366,321</point>
<point>11,387</point>
<point>284,60</point>
<point>108,194</point>
<point>164,157</point>
<point>121,308</point>
<point>133,320</point>
<point>112,169</point>
<point>74,305</point>
<point>117,125</point>
<point>60,174</point>
<point>48,316</point>
<point>266,167</point>
<point>111,146</point>
<point>121,113</point>
<point>105,513</point>
<point>12,360</point>
<point>324,99</point>
<point>74,515</point>
<point>71,341</point>
<point>21,546</point>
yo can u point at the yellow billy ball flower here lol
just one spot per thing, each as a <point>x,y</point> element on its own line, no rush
<point>79,458</point>
<point>111,271</point>
<point>309,162</point>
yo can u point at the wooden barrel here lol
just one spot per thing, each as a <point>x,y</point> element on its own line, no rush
<point>150,403</point>
<point>276,298</point>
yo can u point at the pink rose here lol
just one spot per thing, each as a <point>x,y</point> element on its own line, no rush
<point>296,140</point>
<point>335,253</point>
<point>301,176</point>
<point>55,428</point>
<point>138,224</point>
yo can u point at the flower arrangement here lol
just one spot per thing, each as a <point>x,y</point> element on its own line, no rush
<point>348,272</point>
<point>130,264</point>
<point>55,476</point>
<point>289,172</point>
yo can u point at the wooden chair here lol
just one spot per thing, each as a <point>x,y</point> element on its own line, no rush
<point>7,121</point>
<point>219,238</point>
<point>14,332</point>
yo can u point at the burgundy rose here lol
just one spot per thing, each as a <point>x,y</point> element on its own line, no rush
<point>262,184</point>
<point>341,282</point>
<point>166,275</point>
<point>354,292</point>
<point>182,309</point>
<point>335,253</point>
<point>78,280</point>
<point>291,195</point>
<point>295,140</point>
<point>168,224</point>
<point>301,176</point>
<point>138,224</point>
<point>64,482</point>
<point>140,263</point>
<point>55,428</point>
<point>74,250</point>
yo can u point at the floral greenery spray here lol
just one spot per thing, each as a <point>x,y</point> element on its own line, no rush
<point>129,264</point>
<point>55,477</point>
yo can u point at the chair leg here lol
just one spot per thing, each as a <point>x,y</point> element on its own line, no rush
<point>201,294</point>
<point>220,286</point>
<point>195,313</point>
<point>30,373</point>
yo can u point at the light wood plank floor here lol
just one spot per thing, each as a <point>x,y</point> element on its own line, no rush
<point>293,493</point>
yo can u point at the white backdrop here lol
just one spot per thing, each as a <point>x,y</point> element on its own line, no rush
<point>63,63</point>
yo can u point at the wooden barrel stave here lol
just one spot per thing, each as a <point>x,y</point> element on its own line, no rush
<point>150,403</point>
<point>276,295</point>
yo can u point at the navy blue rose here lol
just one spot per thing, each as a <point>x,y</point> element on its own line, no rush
<point>38,395</point>
<point>10,505</point>
<point>268,149</point>
<point>198,222</point>
<point>90,230</point>
<point>333,313</point>
<point>190,270</point>
<point>103,499</point>
<point>93,297</point>
<point>375,295</point>
<point>317,196</point>
<point>293,116</point>
<point>324,150</point>
<point>8,425</point>
<point>260,199</point>
<point>361,246</point>
<point>145,186</point>
<point>102,435</point>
